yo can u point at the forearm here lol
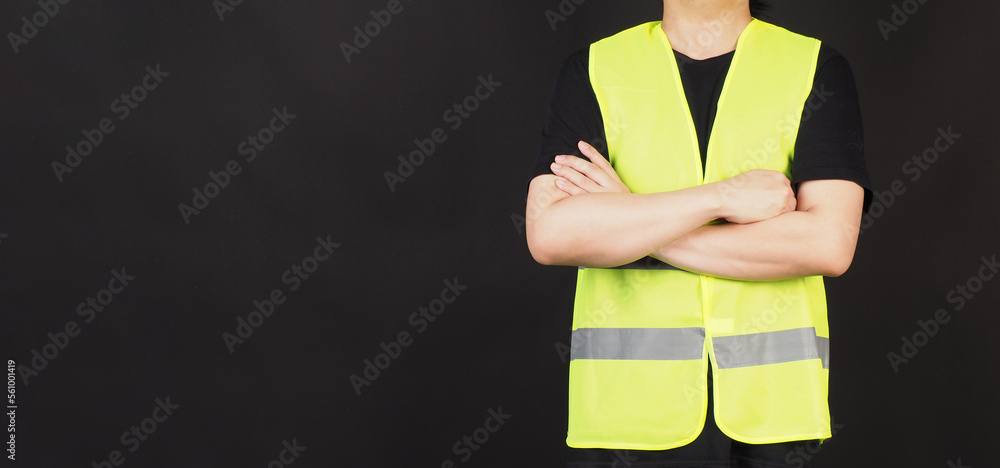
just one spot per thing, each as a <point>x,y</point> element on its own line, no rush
<point>611,229</point>
<point>818,240</point>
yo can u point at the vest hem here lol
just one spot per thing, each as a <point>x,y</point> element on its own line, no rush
<point>629,446</point>
<point>821,435</point>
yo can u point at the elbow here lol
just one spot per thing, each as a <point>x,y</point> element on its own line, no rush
<point>542,250</point>
<point>537,246</point>
<point>837,262</point>
<point>833,251</point>
<point>547,245</point>
<point>543,257</point>
<point>837,267</point>
<point>539,252</point>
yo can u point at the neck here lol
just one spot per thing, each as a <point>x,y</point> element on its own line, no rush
<point>703,29</point>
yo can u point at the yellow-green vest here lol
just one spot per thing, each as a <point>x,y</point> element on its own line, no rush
<point>642,338</point>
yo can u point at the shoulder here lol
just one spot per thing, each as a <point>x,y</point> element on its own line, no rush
<point>830,63</point>
<point>833,70</point>
<point>759,27</point>
<point>641,33</point>
<point>830,59</point>
<point>578,60</point>
<point>575,69</point>
<point>827,55</point>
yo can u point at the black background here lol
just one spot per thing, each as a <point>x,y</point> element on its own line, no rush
<point>456,216</point>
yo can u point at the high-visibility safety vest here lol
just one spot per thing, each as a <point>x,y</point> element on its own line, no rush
<point>642,338</point>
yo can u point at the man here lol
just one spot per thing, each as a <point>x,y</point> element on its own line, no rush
<point>699,334</point>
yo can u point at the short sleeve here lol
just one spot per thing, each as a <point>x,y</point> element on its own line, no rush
<point>573,114</point>
<point>830,142</point>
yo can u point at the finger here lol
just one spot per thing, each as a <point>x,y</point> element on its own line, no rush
<point>598,159</point>
<point>576,177</point>
<point>569,187</point>
<point>590,170</point>
<point>591,153</point>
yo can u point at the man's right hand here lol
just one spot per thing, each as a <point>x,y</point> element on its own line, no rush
<point>755,196</point>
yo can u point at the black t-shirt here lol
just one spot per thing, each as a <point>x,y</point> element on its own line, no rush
<point>829,145</point>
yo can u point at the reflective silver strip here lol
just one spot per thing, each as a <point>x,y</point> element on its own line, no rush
<point>759,349</point>
<point>649,344</point>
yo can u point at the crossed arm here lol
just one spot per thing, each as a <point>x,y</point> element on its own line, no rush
<point>583,215</point>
